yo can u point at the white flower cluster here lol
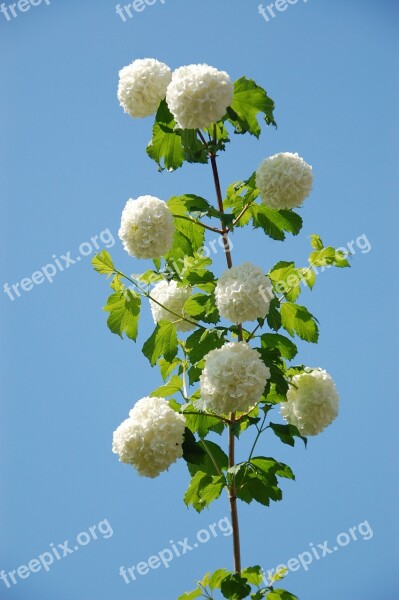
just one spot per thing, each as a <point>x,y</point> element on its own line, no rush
<point>199,95</point>
<point>146,227</point>
<point>233,379</point>
<point>142,86</point>
<point>151,438</point>
<point>284,180</point>
<point>172,297</point>
<point>243,293</point>
<point>312,402</point>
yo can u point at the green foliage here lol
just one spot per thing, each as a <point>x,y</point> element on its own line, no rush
<point>248,101</point>
<point>124,313</point>
<point>173,386</point>
<point>298,320</point>
<point>235,587</point>
<point>257,480</point>
<point>181,361</point>
<point>287,433</point>
<point>162,342</point>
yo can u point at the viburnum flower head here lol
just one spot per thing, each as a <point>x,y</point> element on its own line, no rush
<point>199,95</point>
<point>233,378</point>
<point>146,227</point>
<point>172,297</point>
<point>312,402</point>
<point>151,438</point>
<point>243,293</point>
<point>284,180</point>
<point>142,86</point>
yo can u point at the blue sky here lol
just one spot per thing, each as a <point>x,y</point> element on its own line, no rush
<point>69,160</point>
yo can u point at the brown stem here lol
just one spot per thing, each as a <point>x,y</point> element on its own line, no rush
<point>232,488</point>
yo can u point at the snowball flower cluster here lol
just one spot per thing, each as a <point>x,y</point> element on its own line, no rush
<point>142,86</point>
<point>284,180</point>
<point>199,95</point>
<point>146,227</point>
<point>233,379</point>
<point>243,293</point>
<point>172,297</point>
<point>151,438</point>
<point>312,402</point>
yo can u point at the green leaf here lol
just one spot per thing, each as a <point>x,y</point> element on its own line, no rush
<point>248,101</point>
<point>213,455</point>
<point>124,309</point>
<point>281,595</point>
<point>275,222</point>
<point>166,147</point>
<point>316,242</point>
<point>298,320</point>
<point>202,279</point>
<point>180,205</point>
<point>166,367</point>
<point>286,280</point>
<point>163,342</point>
<point>173,386</point>
<point>193,453</point>
<point>203,490</point>
<point>199,343</point>
<point>235,587</point>
<point>286,348</point>
<point>103,264</point>
<point>254,575</point>
<point>193,149</point>
<point>202,423</point>
<point>197,593</point>
<point>287,433</point>
<point>278,575</point>
<point>274,318</point>
<point>272,466</point>
<point>328,257</point>
<point>215,580</point>
<point>202,307</point>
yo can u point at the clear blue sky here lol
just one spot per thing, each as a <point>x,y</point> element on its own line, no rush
<point>69,160</point>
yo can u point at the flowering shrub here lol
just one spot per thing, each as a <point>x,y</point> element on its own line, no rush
<point>218,377</point>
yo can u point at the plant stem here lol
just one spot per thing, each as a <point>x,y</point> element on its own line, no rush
<point>214,229</point>
<point>232,489</point>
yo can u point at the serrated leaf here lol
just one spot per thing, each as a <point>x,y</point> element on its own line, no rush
<point>286,280</point>
<point>298,320</point>
<point>166,147</point>
<point>193,453</point>
<point>193,149</point>
<point>248,101</point>
<point>315,242</point>
<point>275,222</point>
<point>166,367</point>
<point>203,490</point>
<point>202,307</point>
<point>173,386</point>
<point>280,595</point>
<point>197,593</point>
<point>199,343</point>
<point>273,317</point>
<point>254,575</point>
<point>216,578</point>
<point>202,423</point>
<point>103,264</point>
<point>162,342</point>
<point>124,309</point>
<point>287,433</point>
<point>213,456</point>
<point>235,587</point>
<point>285,346</point>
